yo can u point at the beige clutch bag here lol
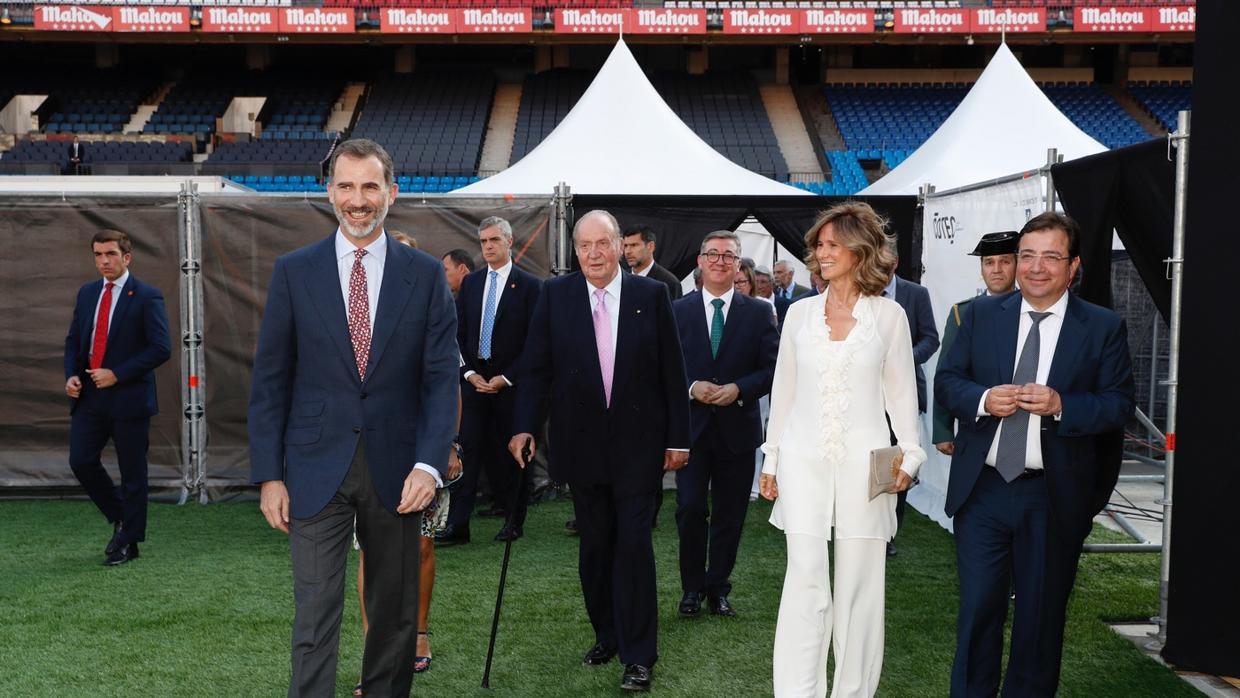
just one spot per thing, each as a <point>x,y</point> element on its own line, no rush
<point>884,463</point>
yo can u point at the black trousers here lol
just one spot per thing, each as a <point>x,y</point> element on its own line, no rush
<point>486,427</point>
<point>319,547</point>
<point>90,428</point>
<point>616,564</point>
<point>727,478</point>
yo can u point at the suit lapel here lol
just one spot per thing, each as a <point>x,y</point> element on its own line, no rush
<point>1071,334</point>
<point>630,307</point>
<point>731,323</point>
<point>579,305</point>
<point>1005,337</point>
<point>398,284</point>
<point>322,287</point>
<point>121,299</point>
<point>699,338</point>
<point>510,293</point>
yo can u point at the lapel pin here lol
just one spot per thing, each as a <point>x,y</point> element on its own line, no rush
<point>512,285</point>
<point>131,293</point>
<point>639,311</point>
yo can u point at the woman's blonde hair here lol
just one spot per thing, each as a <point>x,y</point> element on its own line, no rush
<point>860,229</point>
<point>404,239</point>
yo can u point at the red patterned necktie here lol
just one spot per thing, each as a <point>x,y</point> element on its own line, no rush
<point>359,313</point>
<point>100,344</point>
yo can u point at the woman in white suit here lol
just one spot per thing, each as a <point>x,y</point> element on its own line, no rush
<point>845,365</point>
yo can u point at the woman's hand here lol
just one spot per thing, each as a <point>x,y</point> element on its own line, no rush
<point>903,481</point>
<point>767,487</point>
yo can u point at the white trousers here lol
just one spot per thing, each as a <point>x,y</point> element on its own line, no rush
<point>853,620</point>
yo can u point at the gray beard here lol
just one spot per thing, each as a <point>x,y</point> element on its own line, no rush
<point>363,232</point>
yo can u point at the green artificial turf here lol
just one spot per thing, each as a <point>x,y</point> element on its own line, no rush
<point>206,611</point>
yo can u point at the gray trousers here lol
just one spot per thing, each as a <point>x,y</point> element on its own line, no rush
<point>319,547</point>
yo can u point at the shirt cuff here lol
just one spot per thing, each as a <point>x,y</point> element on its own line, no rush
<point>506,380</point>
<point>691,389</point>
<point>468,374</point>
<point>434,473</point>
<point>681,450</point>
<point>981,405</point>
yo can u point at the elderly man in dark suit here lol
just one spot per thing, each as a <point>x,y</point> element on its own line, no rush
<point>118,336</point>
<point>730,343</point>
<point>352,411</point>
<point>604,352</point>
<point>639,243</point>
<point>1041,383</point>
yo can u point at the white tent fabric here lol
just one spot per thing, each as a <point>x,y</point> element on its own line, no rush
<point>1003,126</point>
<point>622,138</point>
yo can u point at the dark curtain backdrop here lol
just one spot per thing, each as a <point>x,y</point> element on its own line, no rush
<point>1203,631</point>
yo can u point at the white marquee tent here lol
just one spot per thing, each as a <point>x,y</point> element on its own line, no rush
<point>1002,127</point>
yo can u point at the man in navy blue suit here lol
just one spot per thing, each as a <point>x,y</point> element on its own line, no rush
<point>1041,383</point>
<point>493,311</point>
<point>604,352</point>
<point>352,412</point>
<point>730,344</point>
<point>118,336</point>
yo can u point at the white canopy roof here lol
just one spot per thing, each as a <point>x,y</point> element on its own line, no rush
<point>1003,126</point>
<point>622,138</point>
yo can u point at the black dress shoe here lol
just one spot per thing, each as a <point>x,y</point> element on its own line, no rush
<point>509,532</point>
<point>636,678</point>
<point>719,606</point>
<point>494,511</point>
<point>599,654</point>
<point>123,554</point>
<point>451,535</point>
<point>115,543</point>
<point>891,550</point>
<point>690,603</point>
<point>571,526</point>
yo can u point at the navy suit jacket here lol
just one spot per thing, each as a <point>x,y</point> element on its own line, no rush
<point>512,320</point>
<point>746,357</point>
<point>137,343</point>
<point>620,445</point>
<point>1092,372</point>
<point>674,289</point>
<point>915,300</point>
<point>308,406</point>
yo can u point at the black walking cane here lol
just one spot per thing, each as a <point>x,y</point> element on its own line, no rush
<point>503,570</point>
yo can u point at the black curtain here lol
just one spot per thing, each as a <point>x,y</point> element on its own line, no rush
<point>1130,190</point>
<point>1203,630</point>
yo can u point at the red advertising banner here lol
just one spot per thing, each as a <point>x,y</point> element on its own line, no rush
<point>401,20</point>
<point>150,19</point>
<point>591,21</point>
<point>1112,19</point>
<point>317,20</point>
<point>495,21</point>
<point>665,21</point>
<point>1174,19</point>
<point>991,20</point>
<point>240,20</point>
<point>938,21</point>
<point>837,21</point>
<point>755,21</point>
<point>73,18</point>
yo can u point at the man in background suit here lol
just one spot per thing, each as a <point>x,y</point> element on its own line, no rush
<point>785,287</point>
<point>118,336</point>
<point>1041,383</point>
<point>352,410</point>
<point>730,344</point>
<point>998,261</point>
<point>604,351</point>
<point>456,264</point>
<point>915,300</point>
<point>493,313</point>
<point>76,152</point>
<point>639,244</point>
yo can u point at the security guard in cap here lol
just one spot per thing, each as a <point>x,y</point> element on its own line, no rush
<point>998,253</point>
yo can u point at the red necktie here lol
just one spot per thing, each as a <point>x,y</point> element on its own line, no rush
<point>359,313</point>
<point>101,327</point>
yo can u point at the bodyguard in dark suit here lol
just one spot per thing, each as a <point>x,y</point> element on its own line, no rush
<point>639,243</point>
<point>493,313</point>
<point>118,336</point>
<point>352,411</point>
<point>1041,383</point>
<point>730,344</point>
<point>604,351</point>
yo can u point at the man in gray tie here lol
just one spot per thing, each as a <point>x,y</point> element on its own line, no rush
<point>1041,383</point>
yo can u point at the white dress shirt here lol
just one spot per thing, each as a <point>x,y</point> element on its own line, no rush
<point>501,281</point>
<point>116,296</point>
<point>612,298</point>
<point>646,271</point>
<point>1048,334</point>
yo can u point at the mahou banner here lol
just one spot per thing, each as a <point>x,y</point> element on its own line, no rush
<point>761,21</point>
<point>1174,19</point>
<point>73,18</point>
<point>150,19</point>
<point>837,21</point>
<point>591,21</point>
<point>317,20</point>
<point>495,21</point>
<point>1112,19</point>
<point>665,21</point>
<point>240,20</point>
<point>401,20</point>
<point>1016,20</point>
<point>939,21</point>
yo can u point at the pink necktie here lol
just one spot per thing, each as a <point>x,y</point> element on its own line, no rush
<point>602,337</point>
<point>359,313</point>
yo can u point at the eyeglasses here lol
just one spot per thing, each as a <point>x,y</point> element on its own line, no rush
<point>714,256</point>
<point>1050,259</point>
